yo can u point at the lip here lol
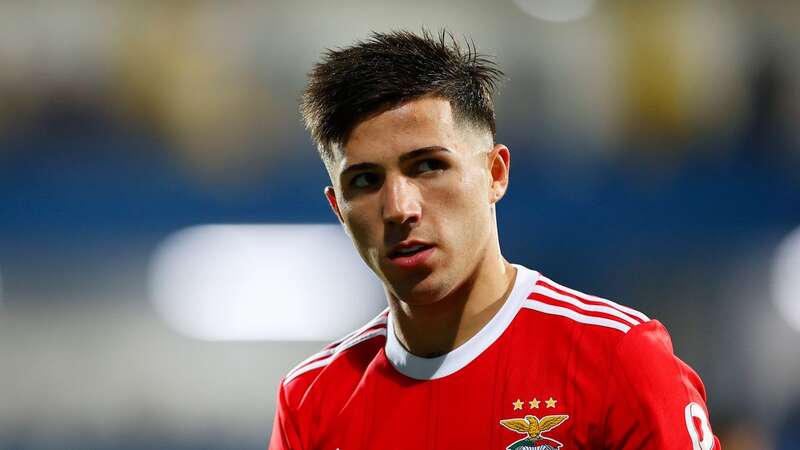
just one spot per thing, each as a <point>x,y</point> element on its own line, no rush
<point>410,261</point>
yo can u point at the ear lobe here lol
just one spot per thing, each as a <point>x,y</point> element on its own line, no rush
<point>330,194</point>
<point>499,166</point>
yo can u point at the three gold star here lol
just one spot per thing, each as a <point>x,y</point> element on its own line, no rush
<point>534,404</point>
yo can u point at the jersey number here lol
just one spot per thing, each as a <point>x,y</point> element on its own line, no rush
<point>695,411</point>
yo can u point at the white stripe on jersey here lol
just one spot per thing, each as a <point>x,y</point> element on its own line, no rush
<point>549,293</point>
<point>576,316</point>
<point>340,348</point>
<point>622,308</point>
<point>331,348</point>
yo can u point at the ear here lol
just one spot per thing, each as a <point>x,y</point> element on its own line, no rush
<point>330,194</point>
<point>499,165</point>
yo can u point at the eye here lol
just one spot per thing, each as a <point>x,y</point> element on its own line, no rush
<point>429,165</point>
<point>363,180</point>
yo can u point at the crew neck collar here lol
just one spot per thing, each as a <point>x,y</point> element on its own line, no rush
<point>441,366</point>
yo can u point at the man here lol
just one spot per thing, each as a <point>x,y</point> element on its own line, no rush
<point>473,352</point>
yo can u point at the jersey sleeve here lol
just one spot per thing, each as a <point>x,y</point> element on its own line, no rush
<point>284,430</point>
<point>654,400</point>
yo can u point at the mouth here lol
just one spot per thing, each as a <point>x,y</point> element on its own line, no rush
<point>410,254</point>
<point>408,248</point>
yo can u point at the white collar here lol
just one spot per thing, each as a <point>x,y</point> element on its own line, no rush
<point>432,368</point>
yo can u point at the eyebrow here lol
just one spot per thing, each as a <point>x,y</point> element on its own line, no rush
<point>404,157</point>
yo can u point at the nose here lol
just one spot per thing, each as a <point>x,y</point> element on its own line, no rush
<point>401,201</point>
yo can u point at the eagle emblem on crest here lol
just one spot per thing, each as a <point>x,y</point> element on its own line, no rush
<point>534,427</point>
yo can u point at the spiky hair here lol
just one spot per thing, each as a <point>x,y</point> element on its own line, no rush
<point>389,69</point>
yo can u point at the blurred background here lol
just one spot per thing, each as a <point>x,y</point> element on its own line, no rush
<point>164,240</point>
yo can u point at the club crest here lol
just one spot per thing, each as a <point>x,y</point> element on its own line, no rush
<point>534,428</point>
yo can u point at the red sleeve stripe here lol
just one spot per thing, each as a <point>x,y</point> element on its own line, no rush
<point>600,314</point>
<point>543,293</point>
<point>340,348</point>
<point>586,298</point>
<point>330,348</point>
<point>379,321</point>
<point>574,315</point>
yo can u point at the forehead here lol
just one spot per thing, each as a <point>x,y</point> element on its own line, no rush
<point>430,114</point>
<point>415,124</point>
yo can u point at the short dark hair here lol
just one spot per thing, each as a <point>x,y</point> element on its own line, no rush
<point>389,69</point>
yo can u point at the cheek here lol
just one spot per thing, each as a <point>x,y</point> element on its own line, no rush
<point>471,192</point>
<point>465,209</point>
<point>355,225</point>
<point>360,233</point>
<point>361,225</point>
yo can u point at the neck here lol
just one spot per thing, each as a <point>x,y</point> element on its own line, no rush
<point>437,328</point>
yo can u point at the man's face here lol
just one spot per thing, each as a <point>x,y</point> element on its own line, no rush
<point>415,191</point>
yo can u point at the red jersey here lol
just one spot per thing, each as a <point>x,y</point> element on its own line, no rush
<point>553,369</point>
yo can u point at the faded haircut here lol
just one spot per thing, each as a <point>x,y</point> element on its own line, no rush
<point>388,69</point>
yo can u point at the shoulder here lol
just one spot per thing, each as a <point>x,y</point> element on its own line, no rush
<point>586,313</point>
<point>637,344</point>
<point>339,362</point>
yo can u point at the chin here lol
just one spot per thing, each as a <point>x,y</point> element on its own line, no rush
<point>424,292</point>
<point>419,299</point>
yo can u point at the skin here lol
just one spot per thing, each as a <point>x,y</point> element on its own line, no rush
<point>414,172</point>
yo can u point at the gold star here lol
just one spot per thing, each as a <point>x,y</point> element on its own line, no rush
<point>534,403</point>
<point>517,404</point>
<point>550,402</point>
